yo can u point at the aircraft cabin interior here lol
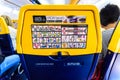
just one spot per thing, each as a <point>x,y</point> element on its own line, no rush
<point>59,40</point>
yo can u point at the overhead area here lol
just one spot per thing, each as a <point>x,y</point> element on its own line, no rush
<point>12,7</point>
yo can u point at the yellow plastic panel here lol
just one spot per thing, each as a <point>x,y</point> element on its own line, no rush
<point>3,27</point>
<point>74,1</point>
<point>24,35</point>
<point>114,44</point>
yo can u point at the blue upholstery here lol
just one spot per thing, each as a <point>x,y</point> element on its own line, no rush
<point>115,71</point>
<point>6,44</point>
<point>111,70</point>
<point>74,67</point>
<point>8,63</point>
<point>108,62</point>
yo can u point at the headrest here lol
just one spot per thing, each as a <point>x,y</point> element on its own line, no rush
<point>114,44</point>
<point>47,29</point>
<point>3,27</point>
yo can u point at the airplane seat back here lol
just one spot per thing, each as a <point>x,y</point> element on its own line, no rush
<point>59,42</point>
<point>111,68</point>
<point>5,39</point>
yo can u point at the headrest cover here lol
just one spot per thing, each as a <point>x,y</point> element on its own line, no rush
<point>3,27</point>
<point>47,29</point>
<point>114,44</point>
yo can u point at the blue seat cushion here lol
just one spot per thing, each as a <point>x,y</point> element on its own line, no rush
<point>8,63</point>
<point>69,68</point>
<point>6,44</point>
